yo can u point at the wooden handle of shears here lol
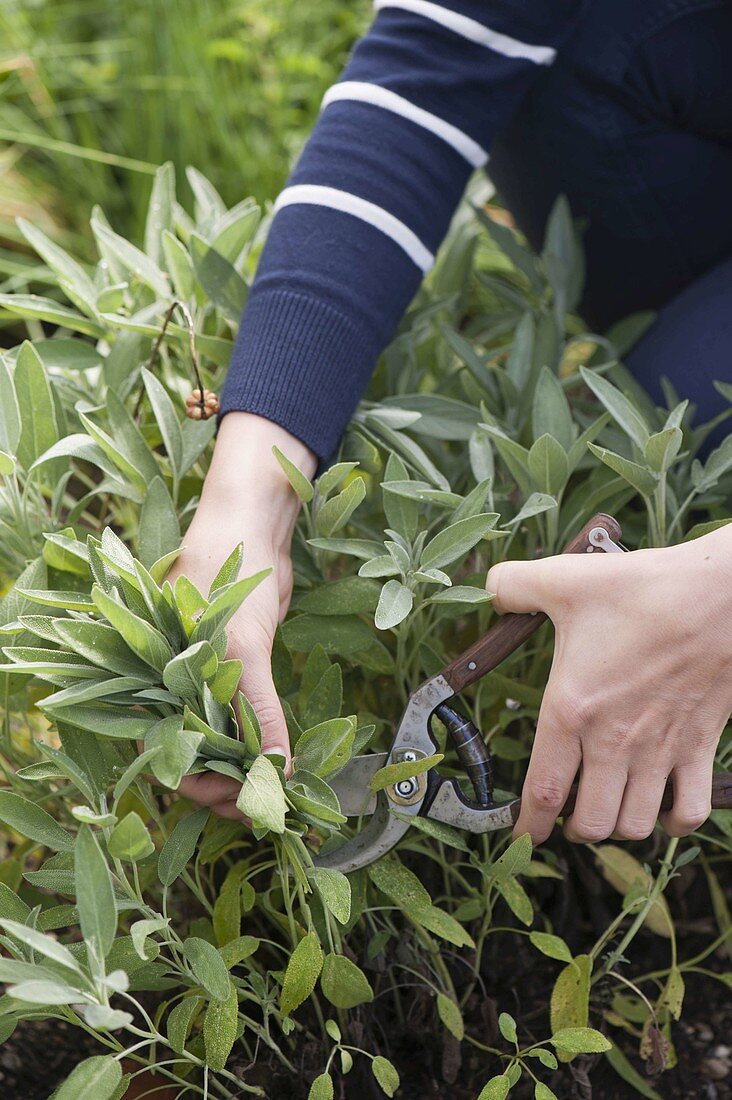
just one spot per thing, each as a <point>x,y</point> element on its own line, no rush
<point>721,796</point>
<point>513,630</point>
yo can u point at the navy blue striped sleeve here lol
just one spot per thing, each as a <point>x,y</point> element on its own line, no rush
<point>371,197</point>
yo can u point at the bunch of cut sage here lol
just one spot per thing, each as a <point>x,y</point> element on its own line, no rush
<point>143,661</point>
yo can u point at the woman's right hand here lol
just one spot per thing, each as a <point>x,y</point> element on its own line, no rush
<point>247,498</point>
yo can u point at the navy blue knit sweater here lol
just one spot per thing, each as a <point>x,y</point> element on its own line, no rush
<point>371,198</point>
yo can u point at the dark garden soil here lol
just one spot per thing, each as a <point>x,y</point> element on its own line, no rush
<point>40,1054</point>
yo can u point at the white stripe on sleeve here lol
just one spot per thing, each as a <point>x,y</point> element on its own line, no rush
<point>377,96</point>
<point>474,31</point>
<point>316,195</point>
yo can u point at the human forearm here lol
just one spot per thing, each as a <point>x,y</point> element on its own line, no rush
<point>371,198</point>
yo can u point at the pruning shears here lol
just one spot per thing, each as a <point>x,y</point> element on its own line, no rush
<point>429,794</point>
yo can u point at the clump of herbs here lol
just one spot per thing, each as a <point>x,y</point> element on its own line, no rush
<point>495,426</point>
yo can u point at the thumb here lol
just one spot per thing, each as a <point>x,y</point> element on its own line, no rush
<point>258,686</point>
<point>527,586</point>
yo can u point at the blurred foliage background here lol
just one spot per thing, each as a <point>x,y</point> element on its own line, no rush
<point>95,94</point>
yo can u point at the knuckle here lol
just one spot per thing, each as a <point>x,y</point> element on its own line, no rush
<point>622,736</point>
<point>572,711</point>
<point>691,818</point>
<point>635,828</point>
<point>546,793</point>
<point>590,832</point>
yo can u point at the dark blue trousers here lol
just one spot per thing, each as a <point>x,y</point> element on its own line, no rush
<point>633,124</point>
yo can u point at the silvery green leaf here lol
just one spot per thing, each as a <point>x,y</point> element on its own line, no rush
<point>131,258</point>
<point>39,426</point>
<point>104,1018</point>
<point>330,480</point>
<point>172,750</point>
<point>87,816</point>
<point>642,479</point>
<point>185,673</point>
<point>399,554</point>
<point>160,211</point>
<point>142,638</point>
<point>235,229</point>
<point>314,799</point>
<point>335,892</point>
<point>392,418</point>
<point>181,845</point>
<point>297,479</point>
<point>534,506</point>
<point>167,418</point>
<point>431,576</point>
<point>219,279</point>
<point>94,894</point>
<point>548,465</point>
<point>381,566</point>
<point>141,929</point>
<point>423,492</point>
<point>208,967</point>
<point>440,417</point>
<point>457,539</point>
<point>619,406</point>
<point>210,207</point>
<point>9,410</point>
<point>102,645</point>
<point>72,276</point>
<point>718,464</point>
<point>33,822</point>
<point>262,798</point>
<point>325,748</point>
<point>335,513</point>
<point>662,448</point>
<point>551,413</point>
<point>357,548</point>
<point>96,1078</point>
<point>48,946</point>
<point>47,993</point>
<point>480,452</point>
<point>224,603</point>
<point>513,454</point>
<point>179,265</point>
<point>395,603</point>
<point>461,593</point>
<point>475,502</point>
<point>346,596</point>
<point>47,309</point>
<point>130,840</point>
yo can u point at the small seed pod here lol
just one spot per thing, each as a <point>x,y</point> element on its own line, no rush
<point>202,408</point>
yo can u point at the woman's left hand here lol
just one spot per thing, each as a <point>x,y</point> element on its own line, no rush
<point>640,687</point>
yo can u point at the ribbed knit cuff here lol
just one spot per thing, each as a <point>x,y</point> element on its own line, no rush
<point>301,363</point>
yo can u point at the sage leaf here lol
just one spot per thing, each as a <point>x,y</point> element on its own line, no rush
<point>180,846</point>
<point>385,1074</point>
<point>335,892</point>
<point>219,1030</point>
<point>94,893</point>
<point>130,841</point>
<point>343,983</point>
<point>95,1078</point>
<point>33,822</point>
<point>395,603</point>
<point>262,798</point>
<point>303,971</point>
<point>457,539</point>
<point>208,968</point>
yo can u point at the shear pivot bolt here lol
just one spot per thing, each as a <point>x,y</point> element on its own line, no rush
<point>406,788</point>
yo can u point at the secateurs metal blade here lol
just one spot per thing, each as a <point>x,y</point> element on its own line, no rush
<point>429,794</point>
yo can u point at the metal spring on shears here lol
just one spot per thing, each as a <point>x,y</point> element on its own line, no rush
<point>471,751</point>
